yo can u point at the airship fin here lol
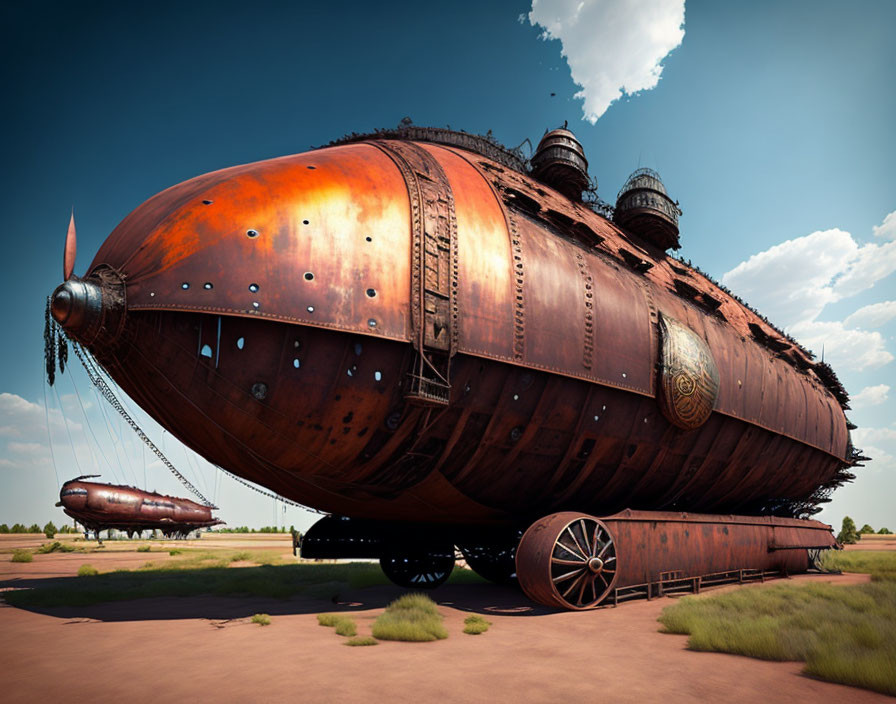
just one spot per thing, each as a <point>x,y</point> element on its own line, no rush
<point>71,248</point>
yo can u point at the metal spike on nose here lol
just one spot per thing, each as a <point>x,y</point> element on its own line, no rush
<point>71,248</point>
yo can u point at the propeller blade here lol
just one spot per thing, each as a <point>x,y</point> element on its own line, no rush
<point>71,248</point>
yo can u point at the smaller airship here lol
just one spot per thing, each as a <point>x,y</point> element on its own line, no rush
<point>102,506</point>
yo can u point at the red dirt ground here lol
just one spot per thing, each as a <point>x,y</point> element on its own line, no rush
<point>206,649</point>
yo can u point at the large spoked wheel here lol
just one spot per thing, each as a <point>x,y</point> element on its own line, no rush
<point>418,568</point>
<point>567,560</point>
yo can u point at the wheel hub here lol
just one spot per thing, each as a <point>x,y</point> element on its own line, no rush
<point>596,565</point>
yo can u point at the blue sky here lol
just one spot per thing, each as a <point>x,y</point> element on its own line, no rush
<point>771,123</point>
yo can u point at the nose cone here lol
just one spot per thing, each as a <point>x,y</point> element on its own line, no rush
<point>74,303</point>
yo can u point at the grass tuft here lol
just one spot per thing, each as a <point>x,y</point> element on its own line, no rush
<point>22,555</point>
<point>261,619</point>
<point>844,634</point>
<point>88,571</point>
<point>55,546</point>
<point>175,551</point>
<point>412,617</point>
<point>144,548</point>
<point>362,640</point>
<point>475,624</point>
<point>344,625</point>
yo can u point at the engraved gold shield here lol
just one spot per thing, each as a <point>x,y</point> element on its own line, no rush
<point>688,378</point>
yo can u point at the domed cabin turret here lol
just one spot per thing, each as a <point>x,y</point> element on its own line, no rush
<point>644,208</point>
<point>559,162</point>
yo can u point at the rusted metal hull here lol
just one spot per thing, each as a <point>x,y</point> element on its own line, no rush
<point>574,561</point>
<point>101,506</point>
<point>413,332</point>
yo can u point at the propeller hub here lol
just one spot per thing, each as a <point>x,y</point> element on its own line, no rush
<point>77,306</point>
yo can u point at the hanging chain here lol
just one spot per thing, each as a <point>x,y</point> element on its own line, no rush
<point>271,495</point>
<point>95,376</point>
<point>97,380</point>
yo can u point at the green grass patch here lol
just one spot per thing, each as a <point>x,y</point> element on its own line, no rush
<point>261,619</point>
<point>175,551</point>
<point>361,640</point>
<point>88,571</point>
<point>844,634</point>
<point>55,546</point>
<point>475,624</point>
<point>881,565</point>
<point>412,617</point>
<point>144,548</point>
<point>22,555</point>
<point>322,581</point>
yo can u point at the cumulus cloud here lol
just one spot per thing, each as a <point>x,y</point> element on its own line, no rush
<point>792,282</point>
<point>873,316</point>
<point>613,47</point>
<point>870,396</point>
<point>887,229</point>
<point>27,422</point>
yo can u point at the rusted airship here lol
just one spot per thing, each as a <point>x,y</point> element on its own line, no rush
<point>99,507</point>
<point>442,344</point>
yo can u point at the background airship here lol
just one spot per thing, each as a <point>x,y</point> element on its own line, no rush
<point>98,507</point>
<point>442,344</point>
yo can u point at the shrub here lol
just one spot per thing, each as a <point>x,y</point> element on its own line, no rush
<point>21,555</point>
<point>882,531</point>
<point>344,625</point>
<point>34,528</point>
<point>362,640</point>
<point>144,548</point>
<point>18,528</point>
<point>412,617</point>
<point>174,552</point>
<point>261,619</point>
<point>866,530</point>
<point>474,625</point>
<point>50,530</point>
<point>847,534</point>
<point>4,528</point>
<point>55,546</point>
<point>87,571</point>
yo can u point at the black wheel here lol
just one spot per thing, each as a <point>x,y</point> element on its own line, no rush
<point>419,569</point>
<point>495,562</point>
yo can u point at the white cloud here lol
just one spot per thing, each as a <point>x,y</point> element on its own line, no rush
<point>873,436</point>
<point>27,421</point>
<point>870,396</point>
<point>873,316</point>
<point>792,282</point>
<point>612,46</point>
<point>842,348</point>
<point>887,229</point>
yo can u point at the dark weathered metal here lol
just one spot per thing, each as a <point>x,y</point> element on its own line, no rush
<point>576,561</point>
<point>559,161</point>
<point>414,332</point>
<point>101,506</point>
<point>644,207</point>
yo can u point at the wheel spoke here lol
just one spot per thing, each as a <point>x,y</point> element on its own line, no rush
<point>570,551</point>
<point>560,561</point>
<point>608,544</point>
<point>585,583</point>
<point>573,536</point>
<point>562,577</point>
<point>594,542</point>
<point>573,585</point>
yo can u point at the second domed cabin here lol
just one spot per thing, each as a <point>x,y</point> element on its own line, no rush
<point>644,208</point>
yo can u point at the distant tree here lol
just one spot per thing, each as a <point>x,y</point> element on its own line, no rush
<point>18,528</point>
<point>35,528</point>
<point>4,528</point>
<point>848,534</point>
<point>866,530</point>
<point>882,531</point>
<point>50,530</point>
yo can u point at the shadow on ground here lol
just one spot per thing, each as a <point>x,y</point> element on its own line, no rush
<point>224,594</point>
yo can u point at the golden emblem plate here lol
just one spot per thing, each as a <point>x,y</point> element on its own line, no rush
<point>688,378</point>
